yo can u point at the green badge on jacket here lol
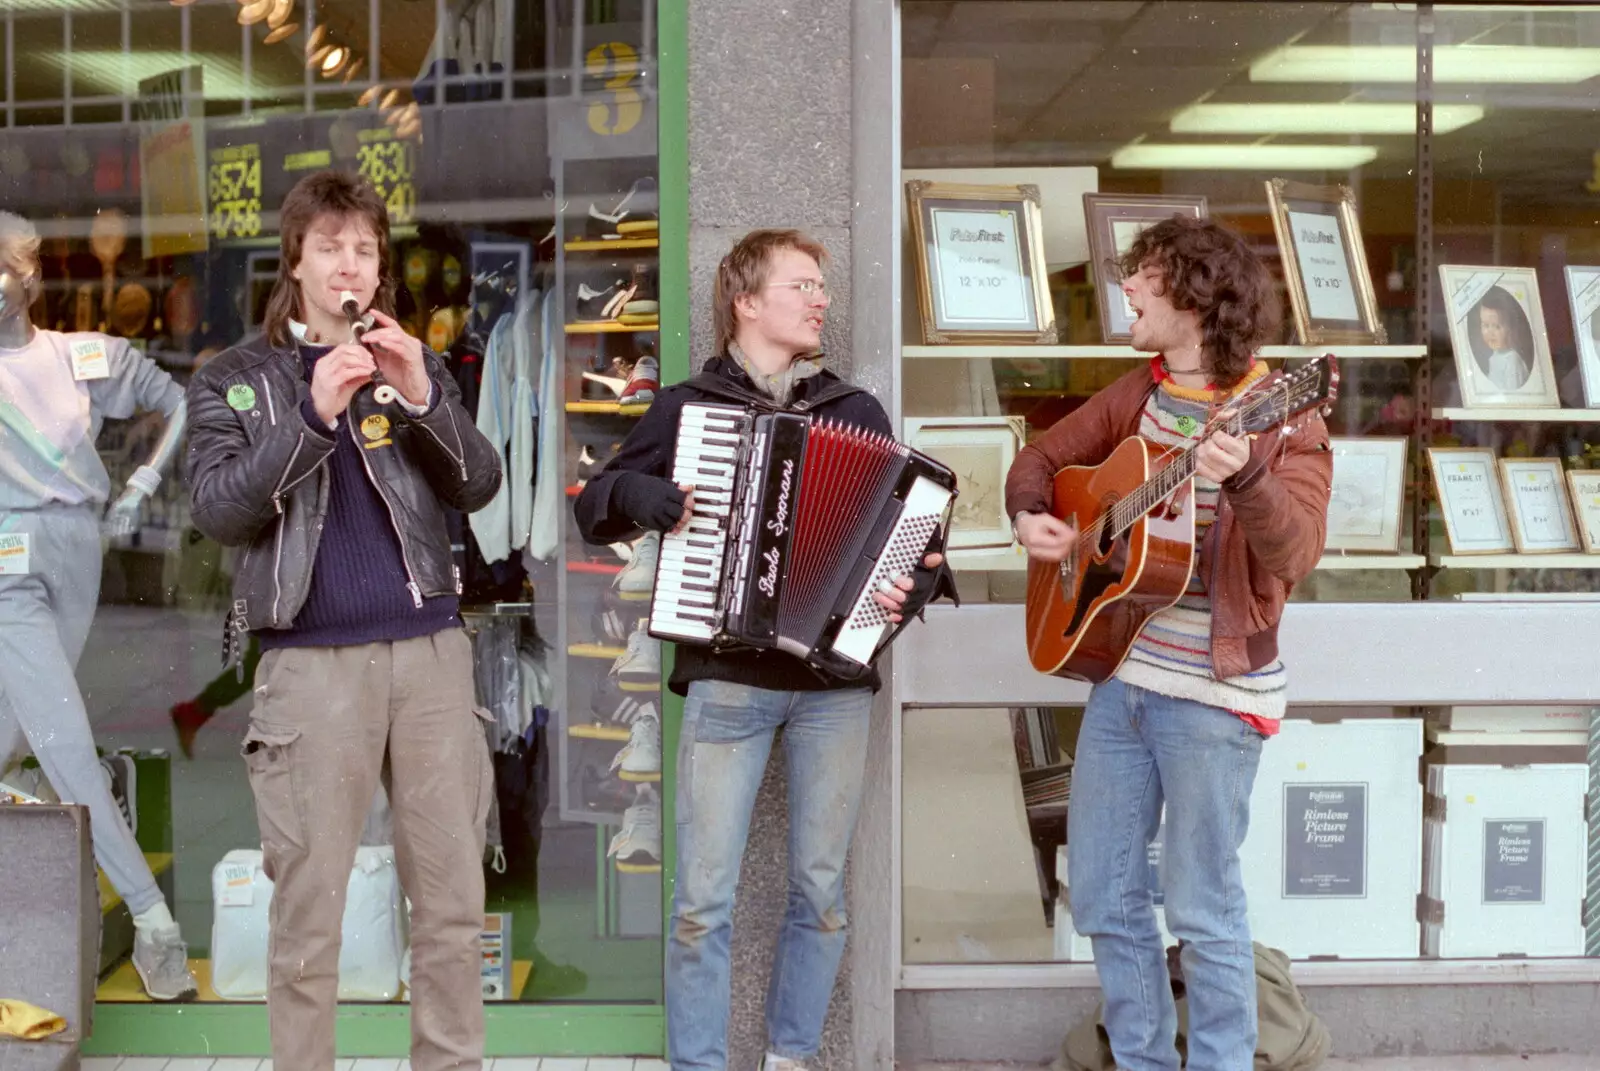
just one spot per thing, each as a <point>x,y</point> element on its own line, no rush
<point>1186,425</point>
<point>242,397</point>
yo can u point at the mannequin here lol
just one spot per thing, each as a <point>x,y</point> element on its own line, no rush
<point>55,389</point>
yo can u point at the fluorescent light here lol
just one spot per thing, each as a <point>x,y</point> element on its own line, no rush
<point>1354,118</point>
<point>1152,157</point>
<point>114,72</point>
<point>1474,64</point>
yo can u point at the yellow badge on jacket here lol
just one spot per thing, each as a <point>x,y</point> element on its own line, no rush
<point>375,429</point>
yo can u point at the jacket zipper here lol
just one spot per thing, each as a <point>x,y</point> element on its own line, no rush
<point>405,559</point>
<point>461,450</point>
<point>277,494</point>
<point>272,413</point>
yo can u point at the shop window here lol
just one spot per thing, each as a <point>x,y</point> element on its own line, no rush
<point>151,149</point>
<point>1180,101</point>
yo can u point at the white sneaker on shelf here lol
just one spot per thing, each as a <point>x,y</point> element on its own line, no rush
<point>639,668</point>
<point>161,960</point>
<point>637,581</point>
<point>640,758</point>
<point>638,842</point>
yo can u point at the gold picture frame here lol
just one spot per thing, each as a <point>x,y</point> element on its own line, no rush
<point>1114,220</point>
<point>1541,515</point>
<point>980,264</point>
<point>1466,481</point>
<point>1583,486</point>
<point>1319,238</point>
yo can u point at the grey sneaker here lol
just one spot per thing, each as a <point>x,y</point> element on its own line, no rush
<point>162,960</point>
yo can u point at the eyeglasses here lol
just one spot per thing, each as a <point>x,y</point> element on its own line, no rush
<point>805,286</point>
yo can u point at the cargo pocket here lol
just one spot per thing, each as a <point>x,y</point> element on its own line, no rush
<point>268,752</point>
<point>480,812</point>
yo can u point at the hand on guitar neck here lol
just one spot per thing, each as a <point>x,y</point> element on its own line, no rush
<point>1221,455</point>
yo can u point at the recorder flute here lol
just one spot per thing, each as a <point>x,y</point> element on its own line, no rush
<point>359,325</point>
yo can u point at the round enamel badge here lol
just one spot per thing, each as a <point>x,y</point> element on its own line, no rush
<point>241,397</point>
<point>375,427</point>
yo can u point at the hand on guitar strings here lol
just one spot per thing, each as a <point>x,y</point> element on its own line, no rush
<point>1046,538</point>
<point>892,595</point>
<point>1221,455</point>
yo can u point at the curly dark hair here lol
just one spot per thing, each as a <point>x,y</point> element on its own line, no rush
<point>1209,269</point>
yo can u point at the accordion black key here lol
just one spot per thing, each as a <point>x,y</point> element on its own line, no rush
<point>797,521</point>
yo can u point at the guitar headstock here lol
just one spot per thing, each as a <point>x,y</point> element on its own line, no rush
<point>1313,385</point>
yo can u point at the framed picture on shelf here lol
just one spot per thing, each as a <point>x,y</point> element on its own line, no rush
<point>1498,337</point>
<point>1583,293</point>
<point>1468,483</point>
<point>1324,263</point>
<point>1536,499</point>
<point>980,266</point>
<point>1585,488</point>
<point>1114,220</point>
<point>980,451</point>
<point>1369,479</point>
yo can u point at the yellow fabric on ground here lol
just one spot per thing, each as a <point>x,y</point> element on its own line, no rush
<point>19,1019</point>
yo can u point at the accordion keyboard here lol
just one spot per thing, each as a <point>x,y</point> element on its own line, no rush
<point>690,571</point>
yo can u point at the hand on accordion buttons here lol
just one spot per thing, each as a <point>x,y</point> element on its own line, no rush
<point>892,596</point>
<point>651,502</point>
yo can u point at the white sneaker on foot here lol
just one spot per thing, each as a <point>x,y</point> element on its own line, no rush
<point>774,1062</point>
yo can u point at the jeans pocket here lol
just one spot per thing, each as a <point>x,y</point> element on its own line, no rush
<point>269,757</point>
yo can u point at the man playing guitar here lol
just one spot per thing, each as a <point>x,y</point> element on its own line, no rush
<point>1181,721</point>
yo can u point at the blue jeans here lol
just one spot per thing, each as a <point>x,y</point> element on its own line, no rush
<point>727,736</point>
<point>1136,750</point>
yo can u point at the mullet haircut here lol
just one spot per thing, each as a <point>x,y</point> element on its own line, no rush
<point>324,193</point>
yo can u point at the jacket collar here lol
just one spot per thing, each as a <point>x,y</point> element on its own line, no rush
<point>725,367</point>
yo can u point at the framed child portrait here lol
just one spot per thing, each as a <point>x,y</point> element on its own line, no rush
<point>1497,334</point>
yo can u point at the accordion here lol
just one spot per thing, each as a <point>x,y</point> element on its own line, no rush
<point>796,522</point>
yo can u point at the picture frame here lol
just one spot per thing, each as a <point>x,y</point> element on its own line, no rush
<point>1507,363</point>
<point>1467,481</point>
<point>1368,499</point>
<point>1536,502</point>
<point>1113,221</point>
<point>1583,296</point>
<point>1584,486</point>
<point>979,450</point>
<point>1331,299</point>
<point>979,259</point>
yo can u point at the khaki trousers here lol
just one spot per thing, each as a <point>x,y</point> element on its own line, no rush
<point>328,722</point>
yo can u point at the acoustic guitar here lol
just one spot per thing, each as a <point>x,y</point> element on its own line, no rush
<point>1134,514</point>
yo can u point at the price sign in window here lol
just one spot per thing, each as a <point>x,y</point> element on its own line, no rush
<point>1324,264</point>
<point>980,263</point>
<point>233,191</point>
<point>390,164</point>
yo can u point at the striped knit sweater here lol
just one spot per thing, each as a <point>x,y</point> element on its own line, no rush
<point>1172,656</point>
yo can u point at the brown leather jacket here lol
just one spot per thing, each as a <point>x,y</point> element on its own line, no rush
<point>1271,519</point>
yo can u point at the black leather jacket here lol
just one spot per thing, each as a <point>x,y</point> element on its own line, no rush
<point>257,477</point>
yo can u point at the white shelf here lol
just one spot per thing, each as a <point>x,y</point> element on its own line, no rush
<point>1557,416</point>
<point>1080,353</point>
<point>1335,561</point>
<point>1517,561</point>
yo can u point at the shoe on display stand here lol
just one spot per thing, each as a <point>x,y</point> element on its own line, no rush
<point>612,704</point>
<point>640,758</point>
<point>633,216</point>
<point>639,668</point>
<point>638,842</point>
<point>161,960</point>
<point>613,620</point>
<point>637,581</point>
<point>599,306</point>
<point>643,382</point>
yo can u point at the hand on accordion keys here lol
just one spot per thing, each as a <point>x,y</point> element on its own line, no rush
<point>892,596</point>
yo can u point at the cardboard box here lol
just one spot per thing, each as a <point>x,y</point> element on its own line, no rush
<point>1332,863</point>
<point>1504,861</point>
<point>1507,719</point>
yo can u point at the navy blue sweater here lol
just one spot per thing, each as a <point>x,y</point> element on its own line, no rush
<point>359,586</point>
